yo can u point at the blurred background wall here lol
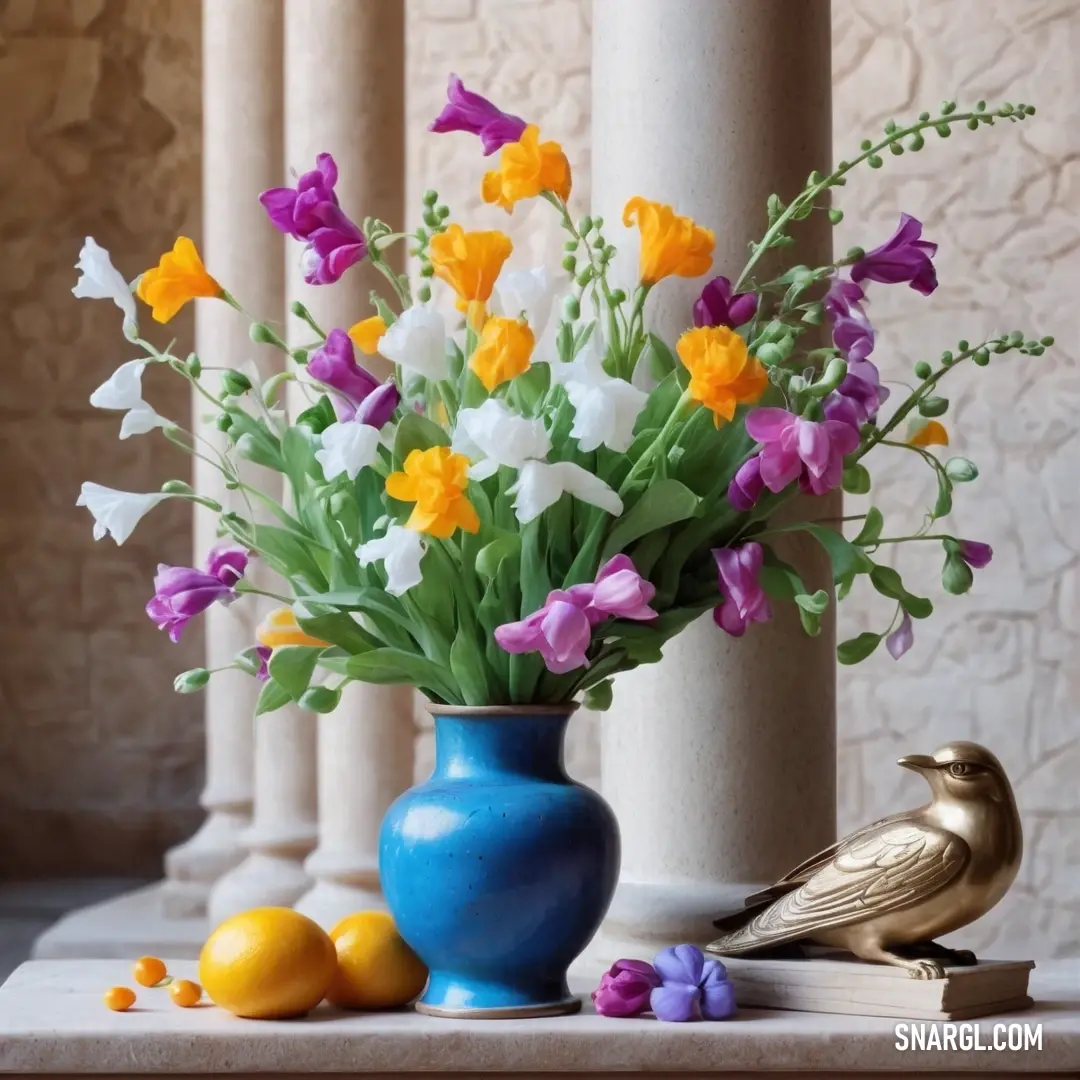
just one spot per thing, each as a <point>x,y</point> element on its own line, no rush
<point>100,764</point>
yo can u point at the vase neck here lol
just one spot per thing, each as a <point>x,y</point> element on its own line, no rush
<point>513,743</point>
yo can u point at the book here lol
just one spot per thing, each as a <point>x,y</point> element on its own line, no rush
<point>837,982</point>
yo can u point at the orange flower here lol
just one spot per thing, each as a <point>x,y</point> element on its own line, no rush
<point>670,244</point>
<point>435,480</point>
<point>502,352</point>
<point>723,374</point>
<point>179,277</point>
<point>526,168</point>
<point>930,434</point>
<point>469,262</point>
<point>366,333</point>
<point>281,628</point>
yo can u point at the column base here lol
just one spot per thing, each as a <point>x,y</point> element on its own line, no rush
<point>646,917</point>
<point>261,880</point>
<point>328,902</point>
<point>192,867</point>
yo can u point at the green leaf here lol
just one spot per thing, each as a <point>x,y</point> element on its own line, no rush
<point>271,698</point>
<point>889,583</point>
<point>846,559</point>
<point>320,699</point>
<point>662,504</point>
<point>319,417</point>
<point>416,432</point>
<point>469,669</point>
<point>535,583</point>
<point>857,479</point>
<point>815,603</point>
<point>662,400</point>
<point>943,505</point>
<point>661,360</point>
<point>598,697</point>
<point>336,627</point>
<point>857,648</point>
<point>291,667</point>
<point>491,555</point>
<point>190,682</point>
<point>531,386</point>
<point>290,553</point>
<point>298,455</point>
<point>394,666</point>
<point>871,531</point>
<point>648,551</point>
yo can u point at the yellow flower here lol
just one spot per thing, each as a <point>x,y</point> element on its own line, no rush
<point>526,168</point>
<point>435,480</point>
<point>469,262</point>
<point>930,434</point>
<point>179,277</point>
<point>723,374</point>
<point>280,628</point>
<point>502,352</point>
<point>366,333</point>
<point>670,244</point>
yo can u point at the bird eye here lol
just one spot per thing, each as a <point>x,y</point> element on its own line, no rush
<point>958,768</point>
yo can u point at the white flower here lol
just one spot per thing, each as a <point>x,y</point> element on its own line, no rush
<point>101,280</point>
<point>123,390</point>
<point>347,448</point>
<point>605,409</point>
<point>500,437</point>
<point>527,292</point>
<point>540,485</point>
<point>417,341</point>
<point>400,550</point>
<point>116,512</point>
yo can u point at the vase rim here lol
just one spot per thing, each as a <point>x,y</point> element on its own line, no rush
<point>502,710</point>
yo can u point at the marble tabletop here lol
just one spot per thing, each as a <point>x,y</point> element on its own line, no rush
<point>52,1020</point>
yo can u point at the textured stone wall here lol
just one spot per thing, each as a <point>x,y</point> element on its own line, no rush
<point>100,762</point>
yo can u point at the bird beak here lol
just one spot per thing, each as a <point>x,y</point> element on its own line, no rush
<point>917,762</point>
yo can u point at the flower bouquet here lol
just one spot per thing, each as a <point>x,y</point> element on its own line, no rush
<point>535,494</point>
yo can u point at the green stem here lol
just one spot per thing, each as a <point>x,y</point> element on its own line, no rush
<point>658,443</point>
<point>246,587</point>
<point>916,536</point>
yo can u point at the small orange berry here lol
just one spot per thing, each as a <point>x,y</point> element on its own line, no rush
<point>119,998</point>
<point>148,971</point>
<point>185,993</point>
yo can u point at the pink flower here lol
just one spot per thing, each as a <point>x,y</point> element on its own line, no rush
<point>746,487</point>
<point>471,112</point>
<point>798,449</point>
<point>975,553</point>
<point>182,592</point>
<point>904,257</point>
<point>624,989</point>
<point>619,592</point>
<point>901,639</point>
<point>744,600</point>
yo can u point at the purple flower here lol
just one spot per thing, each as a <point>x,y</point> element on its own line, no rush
<point>746,487</point>
<point>360,396</point>
<point>619,592</point>
<point>858,398</point>
<point>624,989</point>
<point>693,988</point>
<point>799,449</point>
<point>904,257</point>
<point>263,653</point>
<point>716,306</point>
<point>852,333</point>
<point>560,631</point>
<point>975,553</point>
<point>744,600</point>
<point>181,592</point>
<point>467,111</point>
<point>901,639</point>
<point>310,212</point>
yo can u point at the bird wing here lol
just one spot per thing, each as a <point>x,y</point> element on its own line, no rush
<point>806,869</point>
<point>886,870</point>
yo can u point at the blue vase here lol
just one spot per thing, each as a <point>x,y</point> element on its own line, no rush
<point>499,868</point>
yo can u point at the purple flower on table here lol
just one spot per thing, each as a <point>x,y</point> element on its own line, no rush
<point>182,592</point>
<point>625,988</point>
<point>310,212</point>
<point>975,553</point>
<point>560,631</point>
<point>852,333</point>
<point>717,306</point>
<point>471,112</point>
<point>901,639</point>
<point>798,449</point>
<point>746,486</point>
<point>744,599</point>
<point>692,988</point>
<point>904,257</point>
<point>360,396</point>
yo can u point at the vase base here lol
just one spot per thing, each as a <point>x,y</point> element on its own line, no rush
<point>512,1012</point>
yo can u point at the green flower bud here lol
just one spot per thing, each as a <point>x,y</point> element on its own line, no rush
<point>924,116</point>
<point>177,487</point>
<point>836,216</point>
<point>223,422</point>
<point>194,366</point>
<point>569,264</point>
<point>585,225</point>
<point>1047,341</point>
<point>855,254</point>
<point>962,345</point>
<point>443,212</point>
<point>423,294</point>
<point>948,107</point>
<point>956,575</point>
<point>235,382</point>
<point>917,142</point>
<point>943,130</point>
<point>431,197</point>
<point>261,334</point>
<point>585,277</point>
<point>973,124</point>
<point>188,682</point>
<point>431,219</point>
<point>981,357</point>
<point>933,406</point>
<point>618,296</point>
<point>831,378</point>
<point>571,308</point>
<point>960,470</point>
<point>320,699</point>
<point>427,270</point>
<point>923,370</point>
<point>856,479</point>
<point>874,161</point>
<point>598,222</point>
<point>571,245</point>
<point>299,356</point>
<point>896,148</point>
<point>947,358</point>
<point>865,145</point>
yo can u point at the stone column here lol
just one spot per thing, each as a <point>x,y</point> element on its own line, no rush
<point>241,157</point>
<point>719,761</point>
<point>345,94</point>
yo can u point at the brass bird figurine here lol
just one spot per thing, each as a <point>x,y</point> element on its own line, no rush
<point>888,890</point>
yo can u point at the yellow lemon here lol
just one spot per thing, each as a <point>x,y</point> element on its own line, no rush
<point>376,969</point>
<point>267,964</point>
